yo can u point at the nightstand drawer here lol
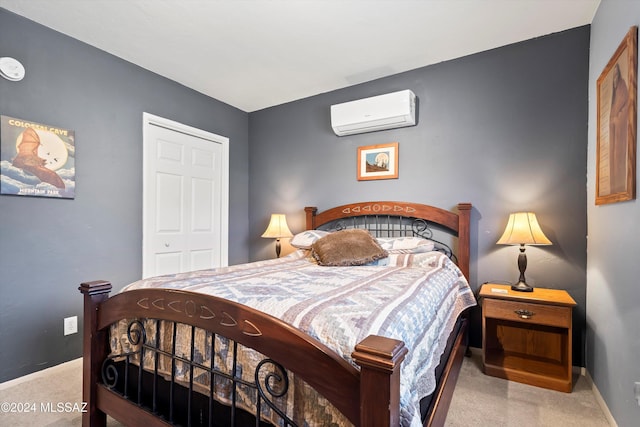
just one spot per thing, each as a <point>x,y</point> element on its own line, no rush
<point>516,311</point>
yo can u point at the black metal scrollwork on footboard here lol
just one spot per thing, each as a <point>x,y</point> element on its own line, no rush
<point>137,337</point>
<point>135,375</point>
<point>276,384</point>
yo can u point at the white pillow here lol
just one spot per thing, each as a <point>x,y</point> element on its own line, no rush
<point>305,239</point>
<point>406,245</point>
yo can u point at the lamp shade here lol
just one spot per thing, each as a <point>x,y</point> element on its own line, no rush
<point>278,227</point>
<point>523,229</point>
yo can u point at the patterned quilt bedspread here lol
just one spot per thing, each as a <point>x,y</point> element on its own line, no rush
<point>415,298</point>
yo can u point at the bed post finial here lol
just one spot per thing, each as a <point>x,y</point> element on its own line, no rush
<point>379,359</point>
<point>464,230</point>
<point>94,350</point>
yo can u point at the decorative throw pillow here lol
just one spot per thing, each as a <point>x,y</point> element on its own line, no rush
<point>406,245</point>
<point>305,239</point>
<point>347,247</point>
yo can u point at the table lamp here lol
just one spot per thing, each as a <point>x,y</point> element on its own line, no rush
<point>523,229</point>
<point>277,229</point>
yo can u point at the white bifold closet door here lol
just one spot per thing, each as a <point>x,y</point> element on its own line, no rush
<point>185,206</point>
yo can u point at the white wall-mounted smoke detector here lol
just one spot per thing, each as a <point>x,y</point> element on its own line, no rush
<point>11,69</point>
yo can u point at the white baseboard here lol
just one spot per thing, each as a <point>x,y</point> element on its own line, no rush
<point>599,399</point>
<point>71,364</point>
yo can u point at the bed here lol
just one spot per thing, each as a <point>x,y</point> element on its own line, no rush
<point>165,352</point>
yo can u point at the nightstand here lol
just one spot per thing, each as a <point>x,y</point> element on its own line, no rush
<point>526,336</point>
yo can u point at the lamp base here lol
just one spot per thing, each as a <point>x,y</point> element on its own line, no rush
<point>278,248</point>
<point>521,287</point>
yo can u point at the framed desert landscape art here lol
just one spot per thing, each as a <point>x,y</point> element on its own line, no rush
<point>616,129</point>
<point>377,162</point>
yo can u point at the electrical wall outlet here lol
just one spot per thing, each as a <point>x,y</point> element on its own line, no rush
<point>71,325</point>
<point>636,389</point>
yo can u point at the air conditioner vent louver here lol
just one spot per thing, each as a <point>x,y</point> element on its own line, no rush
<point>389,111</point>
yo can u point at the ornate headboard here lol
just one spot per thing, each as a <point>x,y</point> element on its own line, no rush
<point>391,219</point>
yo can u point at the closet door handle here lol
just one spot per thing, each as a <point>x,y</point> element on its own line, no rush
<point>524,314</point>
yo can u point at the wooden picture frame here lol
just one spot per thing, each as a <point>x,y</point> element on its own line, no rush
<point>616,128</point>
<point>377,162</point>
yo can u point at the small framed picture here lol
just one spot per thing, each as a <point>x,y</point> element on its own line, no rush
<point>377,162</point>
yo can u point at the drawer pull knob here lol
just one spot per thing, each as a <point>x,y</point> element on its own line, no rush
<point>524,314</point>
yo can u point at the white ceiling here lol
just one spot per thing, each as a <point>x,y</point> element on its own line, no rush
<point>254,54</point>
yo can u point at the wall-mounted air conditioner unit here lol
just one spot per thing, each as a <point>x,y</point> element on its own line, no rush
<point>389,111</point>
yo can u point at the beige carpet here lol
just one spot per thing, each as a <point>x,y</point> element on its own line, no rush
<point>37,397</point>
<point>479,400</point>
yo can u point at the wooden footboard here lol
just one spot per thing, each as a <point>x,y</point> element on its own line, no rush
<point>369,397</point>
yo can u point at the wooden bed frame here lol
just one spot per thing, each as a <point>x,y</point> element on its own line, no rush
<point>367,397</point>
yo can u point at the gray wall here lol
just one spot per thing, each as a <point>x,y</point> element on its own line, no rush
<point>505,130</point>
<point>49,246</point>
<point>613,291</point>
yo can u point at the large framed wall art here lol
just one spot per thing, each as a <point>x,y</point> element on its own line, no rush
<point>616,133</point>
